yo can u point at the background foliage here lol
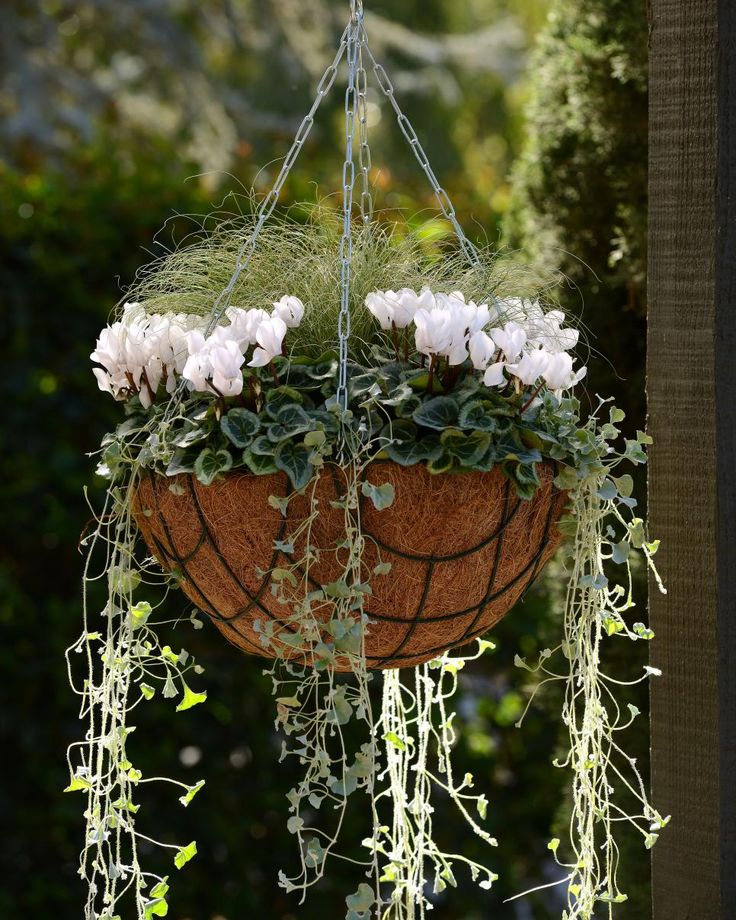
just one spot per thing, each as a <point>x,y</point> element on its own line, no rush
<point>112,112</point>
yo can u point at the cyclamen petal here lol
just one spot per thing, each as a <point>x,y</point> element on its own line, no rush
<point>197,370</point>
<point>482,348</point>
<point>381,309</point>
<point>227,377</point>
<point>457,352</point>
<point>494,376</point>
<point>511,339</point>
<point>244,325</point>
<point>558,370</point>
<point>270,338</point>
<point>530,368</point>
<point>434,331</point>
<point>289,309</point>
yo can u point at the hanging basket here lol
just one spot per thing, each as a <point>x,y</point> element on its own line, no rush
<point>463,549</point>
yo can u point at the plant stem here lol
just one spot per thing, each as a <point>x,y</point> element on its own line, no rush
<point>395,340</point>
<point>531,398</point>
<point>148,386</point>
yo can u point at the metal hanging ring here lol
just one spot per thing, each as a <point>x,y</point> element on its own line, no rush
<point>356,10</point>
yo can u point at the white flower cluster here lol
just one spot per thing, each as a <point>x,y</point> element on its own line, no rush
<point>141,350</point>
<point>532,347</point>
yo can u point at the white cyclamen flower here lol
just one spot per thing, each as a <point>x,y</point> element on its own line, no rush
<point>214,364</point>
<point>511,340</point>
<point>546,329</point>
<point>226,361</point>
<point>270,338</point>
<point>559,375</point>
<point>396,309</point>
<point>110,353</point>
<point>244,325</point>
<point>381,309</point>
<point>198,366</point>
<point>434,331</point>
<point>530,367</point>
<point>290,309</point>
<point>482,348</point>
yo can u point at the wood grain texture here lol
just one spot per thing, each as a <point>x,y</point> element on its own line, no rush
<point>692,404</point>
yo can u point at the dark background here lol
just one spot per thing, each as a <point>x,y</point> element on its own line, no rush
<point>116,116</point>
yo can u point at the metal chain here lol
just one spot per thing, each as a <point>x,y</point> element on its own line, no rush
<point>354,46</point>
<point>364,154</point>
<point>446,206</point>
<point>348,181</point>
<point>267,206</point>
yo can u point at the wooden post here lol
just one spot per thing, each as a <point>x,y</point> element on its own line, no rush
<point>692,492</point>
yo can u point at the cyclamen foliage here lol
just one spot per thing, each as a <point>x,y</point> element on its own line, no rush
<point>439,378</point>
<point>441,390</point>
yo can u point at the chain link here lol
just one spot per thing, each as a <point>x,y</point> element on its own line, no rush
<point>348,181</point>
<point>267,206</point>
<point>364,154</point>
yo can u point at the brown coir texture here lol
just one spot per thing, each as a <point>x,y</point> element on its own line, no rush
<point>462,548</point>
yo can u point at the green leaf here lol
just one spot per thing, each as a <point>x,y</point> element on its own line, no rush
<point>553,844</point>
<point>624,485</point>
<point>475,414</point>
<point>240,426</point>
<point>294,824</point>
<point>341,711</point>
<point>636,532</point>
<point>211,463</point>
<point>382,496</point>
<point>262,446</point>
<point>193,434</point>
<point>441,464</point>
<point>139,613</point>
<point>78,784</point>
<point>439,413</point>
<point>182,462</point>
<point>147,691</point>
<point>466,448</point>
<point>280,397</point>
<point>290,420</point>
<point>314,438</point>
<point>643,631</point>
<point>260,464</point>
<point>362,899</point>
<point>184,854</point>
<point>155,908</point>
<point>383,568</point>
<point>190,699</point>
<point>190,793</point>
<point>620,552</point>
<point>607,491</point>
<point>393,739</point>
<point>408,452</point>
<point>634,452</point>
<point>161,889</point>
<point>293,459</point>
<point>566,479</point>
